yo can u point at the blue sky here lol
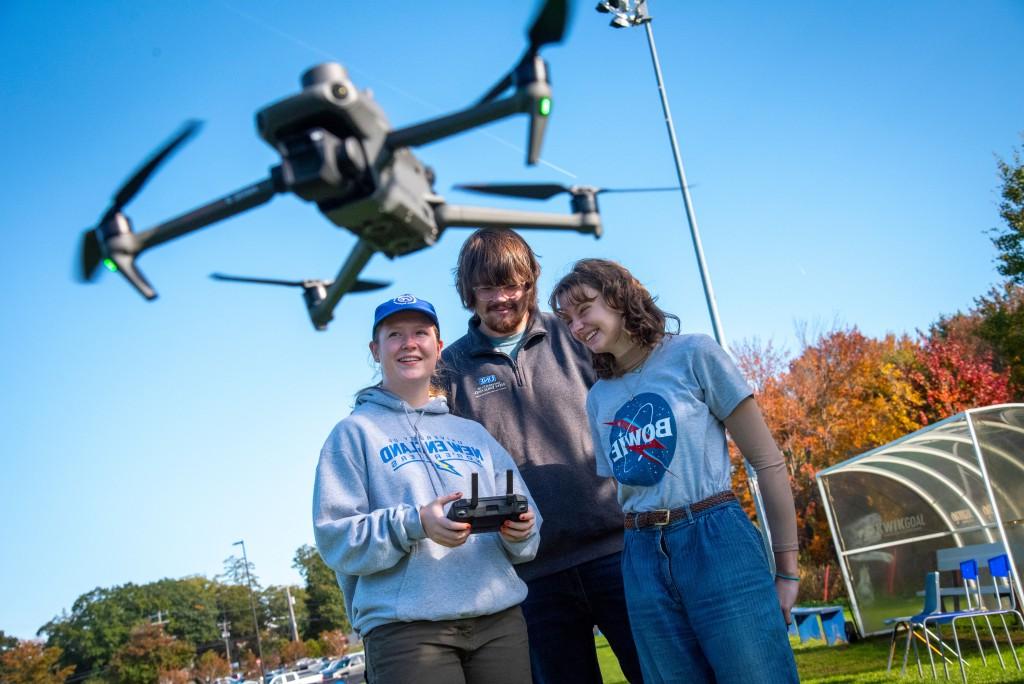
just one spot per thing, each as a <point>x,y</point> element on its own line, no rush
<point>842,153</point>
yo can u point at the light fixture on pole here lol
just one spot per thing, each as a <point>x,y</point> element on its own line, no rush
<point>628,13</point>
<point>252,604</point>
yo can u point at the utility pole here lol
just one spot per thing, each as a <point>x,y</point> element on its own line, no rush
<point>629,13</point>
<point>252,604</point>
<point>291,613</point>
<point>158,619</point>
<point>224,632</point>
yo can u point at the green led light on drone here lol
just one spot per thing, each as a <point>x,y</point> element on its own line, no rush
<point>111,266</point>
<point>544,106</point>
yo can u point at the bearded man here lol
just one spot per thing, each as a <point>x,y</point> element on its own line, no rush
<point>520,373</point>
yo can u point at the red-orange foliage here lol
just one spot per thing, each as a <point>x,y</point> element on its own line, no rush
<point>953,377</point>
<point>29,662</point>
<point>334,642</point>
<point>292,651</point>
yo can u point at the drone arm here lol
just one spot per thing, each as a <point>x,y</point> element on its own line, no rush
<point>444,126</point>
<point>322,313</point>
<point>229,205</point>
<point>451,216</point>
<point>534,98</point>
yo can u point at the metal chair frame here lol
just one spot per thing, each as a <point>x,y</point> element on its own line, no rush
<point>999,568</point>
<point>931,613</point>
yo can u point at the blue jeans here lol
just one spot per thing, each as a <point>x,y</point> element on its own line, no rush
<point>702,601</point>
<point>561,610</point>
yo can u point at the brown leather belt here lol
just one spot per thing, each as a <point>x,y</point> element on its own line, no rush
<point>665,516</point>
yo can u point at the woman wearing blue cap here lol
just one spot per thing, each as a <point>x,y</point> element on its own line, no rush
<point>432,602</point>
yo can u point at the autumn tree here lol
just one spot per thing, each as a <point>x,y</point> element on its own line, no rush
<point>250,663</point>
<point>211,665</point>
<point>842,395</point>
<point>150,655</point>
<point>951,377</point>
<point>335,642</point>
<point>29,662</point>
<point>292,650</point>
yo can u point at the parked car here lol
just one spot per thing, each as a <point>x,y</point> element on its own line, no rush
<point>351,670</point>
<point>297,678</point>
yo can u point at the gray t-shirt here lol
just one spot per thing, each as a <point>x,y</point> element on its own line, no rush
<point>658,430</point>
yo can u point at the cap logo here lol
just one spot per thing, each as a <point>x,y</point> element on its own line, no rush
<point>404,299</point>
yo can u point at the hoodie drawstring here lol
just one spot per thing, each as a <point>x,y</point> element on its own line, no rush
<point>427,463</point>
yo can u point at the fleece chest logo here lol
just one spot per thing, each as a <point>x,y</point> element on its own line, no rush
<point>642,440</point>
<point>487,384</point>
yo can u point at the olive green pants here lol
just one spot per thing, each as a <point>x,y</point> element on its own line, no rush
<point>491,649</point>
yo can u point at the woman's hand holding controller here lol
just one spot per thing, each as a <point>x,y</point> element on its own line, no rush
<point>518,531</point>
<point>439,528</point>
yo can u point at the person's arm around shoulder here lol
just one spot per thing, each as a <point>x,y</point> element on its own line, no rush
<point>750,432</point>
<point>352,538</point>
<point>521,538</point>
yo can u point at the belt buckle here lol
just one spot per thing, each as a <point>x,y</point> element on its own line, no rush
<point>660,517</point>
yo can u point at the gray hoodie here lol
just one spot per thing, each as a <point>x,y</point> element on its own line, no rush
<point>377,467</point>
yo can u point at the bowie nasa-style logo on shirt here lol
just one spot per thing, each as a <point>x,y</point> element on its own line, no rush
<point>643,440</point>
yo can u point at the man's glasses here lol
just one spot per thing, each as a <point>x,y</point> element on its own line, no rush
<point>487,293</point>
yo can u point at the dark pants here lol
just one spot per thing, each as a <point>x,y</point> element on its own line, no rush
<point>561,611</point>
<point>491,649</point>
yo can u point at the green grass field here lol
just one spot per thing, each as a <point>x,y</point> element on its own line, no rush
<point>864,662</point>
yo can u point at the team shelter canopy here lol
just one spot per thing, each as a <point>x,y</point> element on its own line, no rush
<point>956,483</point>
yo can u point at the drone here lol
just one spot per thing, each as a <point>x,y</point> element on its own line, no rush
<point>338,151</point>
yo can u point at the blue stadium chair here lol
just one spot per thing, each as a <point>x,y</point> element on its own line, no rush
<point>999,568</point>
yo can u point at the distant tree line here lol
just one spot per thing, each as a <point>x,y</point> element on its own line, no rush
<point>173,630</point>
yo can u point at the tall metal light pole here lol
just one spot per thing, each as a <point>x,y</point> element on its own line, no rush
<point>628,13</point>
<point>252,604</point>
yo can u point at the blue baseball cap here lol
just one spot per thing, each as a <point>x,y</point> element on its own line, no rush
<point>406,302</point>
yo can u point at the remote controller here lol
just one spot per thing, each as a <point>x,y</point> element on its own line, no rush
<point>486,514</point>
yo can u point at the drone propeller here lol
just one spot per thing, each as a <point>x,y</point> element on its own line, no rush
<point>359,286</point>
<point>544,191</point>
<point>94,244</point>
<point>547,28</point>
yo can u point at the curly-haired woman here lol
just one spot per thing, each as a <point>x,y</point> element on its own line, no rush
<point>703,604</point>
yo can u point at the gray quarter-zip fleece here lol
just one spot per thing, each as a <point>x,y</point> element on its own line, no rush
<point>377,467</point>
<point>535,406</point>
